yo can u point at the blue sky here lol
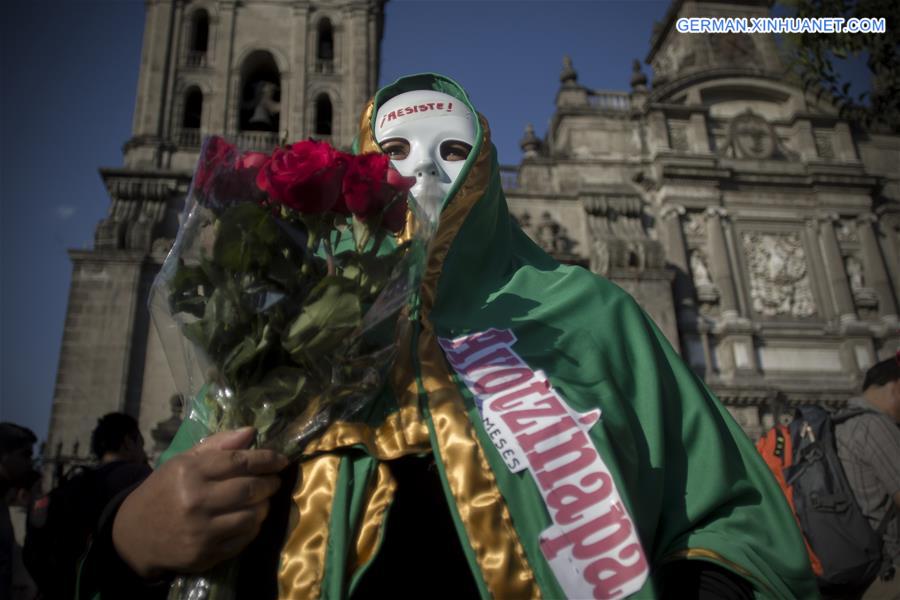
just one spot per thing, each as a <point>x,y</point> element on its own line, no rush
<point>68,75</point>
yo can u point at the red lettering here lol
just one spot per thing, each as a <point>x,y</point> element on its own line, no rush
<point>518,376</point>
<point>431,105</point>
<point>549,406</point>
<point>513,399</point>
<point>469,345</point>
<point>449,106</point>
<point>528,441</point>
<point>423,107</point>
<point>616,517</point>
<point>570,501</point>
<point>440,106</point>
<point>609,575</point>
<point>578,444</point>
<point>502,356</point>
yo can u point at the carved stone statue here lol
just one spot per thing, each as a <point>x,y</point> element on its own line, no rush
<point>699,270</point>
<point>854,273</point>
<point>265,107</point>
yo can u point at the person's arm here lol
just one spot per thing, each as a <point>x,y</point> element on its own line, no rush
<point>880,448</point>
<point>199,508</point>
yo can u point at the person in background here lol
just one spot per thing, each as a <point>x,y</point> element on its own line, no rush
<point>62,523</point>
<point>868,446</point>
<point>20,500</point>
<point>16,448</point>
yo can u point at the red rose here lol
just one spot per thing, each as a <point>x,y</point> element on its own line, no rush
<point>373,188</point>
<point>216,154</point>
<point>236,182</point>
<point>305,176</point>
<point>251,160</point>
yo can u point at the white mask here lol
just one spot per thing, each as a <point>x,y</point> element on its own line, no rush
<point>427,134</point>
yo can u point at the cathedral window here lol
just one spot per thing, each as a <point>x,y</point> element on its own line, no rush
<point>199,39</point>
<point>323,115</point>
<point>260,107</point>
<point>325,47</point>
<point>191,118</point>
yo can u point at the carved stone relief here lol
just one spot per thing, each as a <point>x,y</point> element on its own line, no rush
<point>779,280</point>
<point>824,141</point>
<point>548,233</point>
<point>138,206</point>
<point>618,228</point>
<point>695,226</point>
<point>751,136</point>
<point>678,135</point>
<point>845,231</point>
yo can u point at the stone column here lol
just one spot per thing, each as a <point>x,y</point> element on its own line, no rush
<point>718,254</point>
<point>844,149</point>
<point>295,115</point>
<point>698,137</point>
<point>176,52</point>
<point>806,145</point>
<point>890,248</point>
<point>657,135</point>
<point>876,274</point>
<point>220,113</point>
<point>676,250</point>
<point>834,264</point>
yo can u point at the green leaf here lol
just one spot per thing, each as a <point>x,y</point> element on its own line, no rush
<point>190,288</point>
<point>247,237</point>
<point>333,312</point>
<point>278,388</point>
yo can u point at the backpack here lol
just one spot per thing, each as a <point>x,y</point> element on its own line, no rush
<point>845,552</point>
<point>58,531</point>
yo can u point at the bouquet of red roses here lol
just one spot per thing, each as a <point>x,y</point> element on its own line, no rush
<point>277,304</point>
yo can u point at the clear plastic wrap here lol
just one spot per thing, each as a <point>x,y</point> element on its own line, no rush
<point>277,305</point>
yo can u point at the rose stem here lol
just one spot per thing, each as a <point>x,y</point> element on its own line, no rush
<point>329,255</point>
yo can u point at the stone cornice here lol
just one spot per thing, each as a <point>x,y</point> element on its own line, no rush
<point>643,274</point>
<point>695,172</point>
<point>106,256</point>
<point>153,185</point>
<point>687,80</point>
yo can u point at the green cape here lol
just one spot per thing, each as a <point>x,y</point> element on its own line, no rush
<point>688,476</point>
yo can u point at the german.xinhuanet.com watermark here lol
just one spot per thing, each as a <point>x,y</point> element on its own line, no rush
<point>781,25</point>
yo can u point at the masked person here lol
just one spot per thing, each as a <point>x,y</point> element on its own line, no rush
<point>539,436</point>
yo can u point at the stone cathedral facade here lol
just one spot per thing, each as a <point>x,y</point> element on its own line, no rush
<point>259,72</point>
<point>759,229</point>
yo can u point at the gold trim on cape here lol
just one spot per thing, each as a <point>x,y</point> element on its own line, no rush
<point>304,553</point>
<point>480,505</point>
<point>378,498</point>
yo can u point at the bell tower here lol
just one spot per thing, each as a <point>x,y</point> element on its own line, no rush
<point>259,72</point>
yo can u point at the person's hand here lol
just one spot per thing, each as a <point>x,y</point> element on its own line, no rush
<point>198,509</point>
